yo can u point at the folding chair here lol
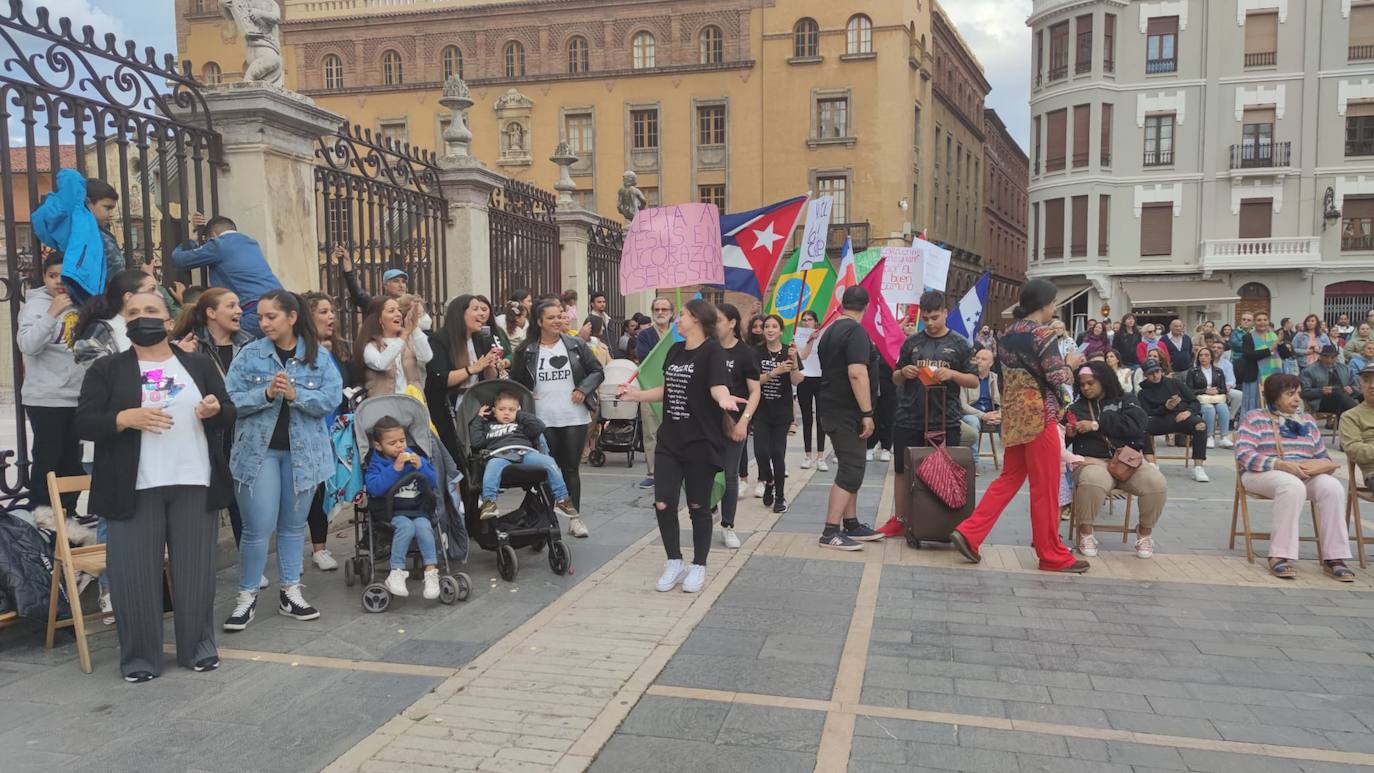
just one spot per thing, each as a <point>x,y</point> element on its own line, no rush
<point>988,432</point>
<point>1356,491</point>
<point>1186,458</point>
<point>1240,507</point>
<point>1125,530</point>
<point>67,561</point>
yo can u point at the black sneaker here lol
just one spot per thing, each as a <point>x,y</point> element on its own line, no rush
<point>243,612</point>
<point>838,541</point>
<point>206,664</point>
<point>768,495</point>
<point>779,505</point>
<point>293,604</point>
<point>862,532</point>
<point>139,677</point>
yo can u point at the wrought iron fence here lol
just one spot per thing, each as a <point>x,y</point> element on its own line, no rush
<point>524,240</point>
<point>382,203</point>
<point>109,111</point>
<point>607,237</point>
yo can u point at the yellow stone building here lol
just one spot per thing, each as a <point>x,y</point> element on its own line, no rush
<point>737,102</point>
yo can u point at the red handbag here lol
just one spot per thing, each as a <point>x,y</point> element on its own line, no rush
<point>945,478</point>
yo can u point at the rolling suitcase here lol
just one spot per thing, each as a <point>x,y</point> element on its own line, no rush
<point>927,518</point>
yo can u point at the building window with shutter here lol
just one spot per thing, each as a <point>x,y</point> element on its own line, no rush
<point>1161,45</point>
<point>1054,155</point>
<point>1035,231</point>
<point>1109,42</point>
<point>1359,129</point>
<point>712,194</point>
<point>1256,218</point>
<point>711,125</point>
<point>1082,119</point>
<point>1106,134</point>
<point>644,129</point>
<point>1256,139</point>
<point>1039,56</point>
<point>1261,39</point>
<point>1078,242</point>
<point>1157,229</point>
<point>1159,140</point>
<point>1361,33</point>
<point>1104,224</point>
<point>1357,223</point>
<point>1083,52</point>
<point>1054,229</point>
<point>1059,51</point>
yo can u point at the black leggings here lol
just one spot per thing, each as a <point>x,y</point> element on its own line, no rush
<point>770,448</point>
<point>744,456</point>
<point>883,416</point>
<point>565,446</point>
<point>730,502</point>
<point>56,448</point>
<point>807,393</point>
<point>318,519</point>
<point>673,473</point>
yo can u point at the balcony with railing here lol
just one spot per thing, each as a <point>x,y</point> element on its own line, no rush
<point>1276,252</point>
<point>1360,53</point>
<point>1359,148</point>
<point>1261,59</point>
<point>1268,155</point>
<point>1158,158</point>
<point>1154,66</point>
<point>1059,71</point>
<point>1082,66</point>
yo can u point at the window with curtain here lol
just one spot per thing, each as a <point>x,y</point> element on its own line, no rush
<point>1357,223</point>
<point>1159,140</point>
<point>712,45</point>
<point>1257,137</point>
<point>579,56</point>
<point>391,69</point>
<point>452,59</point>
<point>806,39</point>
<point>515,59</point>
<point>643,50</point>
<point>1161,45</point>
<point>859,35</point>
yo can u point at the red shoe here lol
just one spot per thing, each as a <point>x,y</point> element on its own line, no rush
<point>893,528</point>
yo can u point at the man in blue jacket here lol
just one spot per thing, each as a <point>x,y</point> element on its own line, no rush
<point>235,261</point>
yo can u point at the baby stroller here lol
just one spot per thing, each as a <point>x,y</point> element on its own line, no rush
<point>619,418</point>
<point>534,523</point>
<point>372,520</point>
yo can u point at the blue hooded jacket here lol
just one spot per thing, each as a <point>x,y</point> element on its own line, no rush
<point>64,223</point>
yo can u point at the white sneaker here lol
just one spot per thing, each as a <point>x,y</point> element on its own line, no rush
<point>106,605</point>
<point>324,561</point>
<point>885,456</point>
<point>432,583</point>
<point>696,579</point>
<point>729,538</point>
<point>1200,475</point>
<point>868,456</point>
<point>576,527</point>
<point>806,463</point>
<point>1227,442</point>
<point>1087,545</point>
<point>822,465</point>
<point>396,582</point>
<point>1211,442</point>
<point>1145,547</point>
<point>673,572</point>
<point>758,490</point>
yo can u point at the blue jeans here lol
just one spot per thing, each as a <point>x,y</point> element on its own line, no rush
<point>977,424</point>
<point>491,479</point>
<point>267,504</point>
<point>412,526</point>
<point>1218,415</point>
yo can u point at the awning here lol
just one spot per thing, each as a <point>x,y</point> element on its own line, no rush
<point>1067,294</point>
<point>1179,293</point>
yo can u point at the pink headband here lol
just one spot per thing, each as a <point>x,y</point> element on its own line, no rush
<point>1085,371</point>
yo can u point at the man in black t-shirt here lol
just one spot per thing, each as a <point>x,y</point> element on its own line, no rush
<point>845,405</point>
<point>933,365</point>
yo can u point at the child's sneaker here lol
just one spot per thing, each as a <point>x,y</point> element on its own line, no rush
<point>396,582</point>
<point>431,583</point>
<point>576,527</point>
<point>487,510</point>
<point>566,507</point>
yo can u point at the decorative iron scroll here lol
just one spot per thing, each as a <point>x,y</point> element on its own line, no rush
<point>356,151</point>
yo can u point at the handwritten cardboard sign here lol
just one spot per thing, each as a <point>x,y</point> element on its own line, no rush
<point>817,231</point>
<point>672,247</point>
<point>904,277</point>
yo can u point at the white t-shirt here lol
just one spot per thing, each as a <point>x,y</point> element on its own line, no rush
<point>811,366</point>
<point>179,456</point>
<point>553,388</point>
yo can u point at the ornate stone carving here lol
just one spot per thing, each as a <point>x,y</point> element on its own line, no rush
<point>630,198</point>
<point>260,23</point>
<point>457,137</point>
<point>565,158</point>
<point>513,116</point>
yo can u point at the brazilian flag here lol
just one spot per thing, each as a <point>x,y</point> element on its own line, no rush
<point>798,291</point>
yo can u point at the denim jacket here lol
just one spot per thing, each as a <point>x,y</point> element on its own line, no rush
<point>318,392</point>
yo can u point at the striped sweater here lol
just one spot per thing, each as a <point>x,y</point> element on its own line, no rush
<point>1255,442</point>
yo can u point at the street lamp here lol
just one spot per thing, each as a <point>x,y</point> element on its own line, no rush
<point>1330,215</point>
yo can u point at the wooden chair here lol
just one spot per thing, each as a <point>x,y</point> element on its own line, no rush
<point>1240,508</point>
<point>991,445</point>
<point>1186,458</point>
<point>67,561</point>
<point>1355,491</point>
<point>1125,529</point>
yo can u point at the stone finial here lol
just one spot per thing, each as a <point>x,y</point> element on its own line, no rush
<point>565,158</point>
<point>457,137</point>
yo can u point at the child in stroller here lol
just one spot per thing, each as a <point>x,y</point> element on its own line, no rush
<point>391,463</point>
<point>511,436</point>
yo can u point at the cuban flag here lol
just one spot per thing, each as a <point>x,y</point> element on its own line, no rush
<point>752,243</point>
<point>968,317</point>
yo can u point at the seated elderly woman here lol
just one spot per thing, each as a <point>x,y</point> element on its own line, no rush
<point>1280,451</point>
<point>1100,421</point>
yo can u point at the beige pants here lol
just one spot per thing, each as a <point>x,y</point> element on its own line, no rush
<point>1289,493</point>
<point>648,424</point>
<point>1092,484</point>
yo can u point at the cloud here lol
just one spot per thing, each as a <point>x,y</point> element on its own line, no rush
<point>996,31</point>
<point>83,13</point>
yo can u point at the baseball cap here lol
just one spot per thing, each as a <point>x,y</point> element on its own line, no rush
<point>1330,349</point>
<point>394,273</point>
<point>1367,370</point>
<point>1150,366</point>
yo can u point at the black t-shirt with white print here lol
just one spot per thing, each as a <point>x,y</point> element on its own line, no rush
<point>950,350</point>
<point>775,395</point>
<point>692,421</point>
<point>743,364</point>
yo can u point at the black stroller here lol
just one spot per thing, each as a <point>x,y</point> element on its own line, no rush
<point>372,520</point>
<point>619,418</point>
<point>534,523</point>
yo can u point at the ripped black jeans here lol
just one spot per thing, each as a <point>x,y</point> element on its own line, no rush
<point>673,472</point>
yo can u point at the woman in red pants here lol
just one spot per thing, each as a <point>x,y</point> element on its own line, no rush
<point>1034,380</point>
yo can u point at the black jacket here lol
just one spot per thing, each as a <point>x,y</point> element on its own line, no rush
<point>1124,344</point>
<point>1123,423</point>
<point>587,374</point>
<point>1198,381</point>
<point>1153,396</point>
<point>113,384</point>
<point>488,435</point>
<point>1247,367</point>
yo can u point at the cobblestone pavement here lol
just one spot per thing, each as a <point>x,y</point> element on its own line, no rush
<point>791,659</point>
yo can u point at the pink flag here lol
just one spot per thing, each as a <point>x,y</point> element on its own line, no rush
<point>878,320</point>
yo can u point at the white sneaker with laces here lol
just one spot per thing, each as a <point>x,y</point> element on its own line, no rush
<point>758,490</point>
<point>1145,547</point>
<point>106,605</point>
<point>868,457</point>
<point>396,582</point>
<point>696,579</point>
<point>1211,442</point>
<point>885,456</point>
<point>431,583</point>
<point>1200,475</point>
<point>806,463</point>
<point>1227,442</point>
<point>729,538</point>
<point>263,582</point>
<point>576,527</point>
<point>1087,545</point>
<point>673,572</point>
<point>324,560</point>
<point>822,465</point>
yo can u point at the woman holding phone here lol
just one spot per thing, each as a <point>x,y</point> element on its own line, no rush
<point>465,352</point>
<point>778,366</point>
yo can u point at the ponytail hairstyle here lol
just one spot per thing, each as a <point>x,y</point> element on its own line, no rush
<point>111,302</point>
<point>304,329</point>
<point>732,318</point>
<point>1036,294</point>
<point>196,316</point>
<point>705,314</point>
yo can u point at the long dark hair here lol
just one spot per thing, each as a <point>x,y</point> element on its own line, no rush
<point>532,332</point>
<point>732,316</point>
<point>456,327</point>
<point>1105,378</point>
<point>196,316</point>
<point>337,347</point>
<point>781,325</point>
<point>748,336</point>
<point>369,331</point>
<point>1134,328</point>
<point>1035,294</point>
<point>705,314</point>
<point>111,302</point>
<point>304,329</point>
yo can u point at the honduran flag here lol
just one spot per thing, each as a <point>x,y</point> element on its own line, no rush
<point>969,316</point>
<point>752,243</point>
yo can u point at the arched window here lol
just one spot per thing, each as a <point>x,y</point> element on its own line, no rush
<point>452,59</point>
<point>859,35</point>
<point>643,47</point>
<point>515,60</point>
<point>806,35</point>
<point>391,68</point>
<point>333,72</point>
<point>211,75</point>
<point>712,45</point>
<point>578,57</point>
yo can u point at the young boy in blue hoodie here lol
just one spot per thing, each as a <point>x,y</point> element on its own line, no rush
<point>392,460</point>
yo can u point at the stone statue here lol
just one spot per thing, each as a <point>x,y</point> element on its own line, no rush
<point>260,23</point>
<point>631,199</point>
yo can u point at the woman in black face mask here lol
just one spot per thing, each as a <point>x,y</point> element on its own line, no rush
<point>156,413</point>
